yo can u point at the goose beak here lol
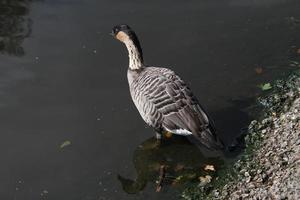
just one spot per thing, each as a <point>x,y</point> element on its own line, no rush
<point>112,34</point>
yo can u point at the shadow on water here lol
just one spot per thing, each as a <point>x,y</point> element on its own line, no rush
<point>15,26</point>
<point>183,161</point>
<point>226,119</point>
<point>181,155</point>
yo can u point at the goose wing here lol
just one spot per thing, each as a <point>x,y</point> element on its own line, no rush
<point>165,101</point>
<point>186,113</point>
<point>180,109</point>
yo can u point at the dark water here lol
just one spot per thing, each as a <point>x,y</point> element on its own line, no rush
<point>63,78</point>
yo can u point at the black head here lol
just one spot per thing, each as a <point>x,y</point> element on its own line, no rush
<point>123,27</point>
<point>124,33</point>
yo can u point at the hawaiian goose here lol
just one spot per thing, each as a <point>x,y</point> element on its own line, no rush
<point>163,100</point>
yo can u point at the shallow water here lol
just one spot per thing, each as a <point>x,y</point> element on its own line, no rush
<point>63,78</point>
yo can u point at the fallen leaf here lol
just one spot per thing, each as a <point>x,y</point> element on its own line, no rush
<point>178,167</point>
<point>158,188</point>
<point>178,178</point>
<point>190,176</point>
<point>175,183</point>
<point>266,86</point>
<point>209,168</point>
<point>168,134</point>
<point>205,179</point>
<point>154,166</point>
<point>258,70</point>
<point>65,143</point>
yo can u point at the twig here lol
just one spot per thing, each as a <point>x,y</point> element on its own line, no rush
<point>162,174</point>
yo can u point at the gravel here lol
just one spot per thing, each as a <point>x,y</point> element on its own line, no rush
<point>273,169</point>
<point>269,168</point>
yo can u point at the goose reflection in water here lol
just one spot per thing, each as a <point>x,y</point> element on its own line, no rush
<point>183,162</point>
<point>15,26</point>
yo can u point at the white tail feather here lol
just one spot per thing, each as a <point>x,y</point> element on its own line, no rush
<point>180,132</point>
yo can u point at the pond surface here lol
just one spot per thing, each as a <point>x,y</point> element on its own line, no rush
<point>68,128</point>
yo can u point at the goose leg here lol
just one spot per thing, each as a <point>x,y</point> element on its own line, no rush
<point>158,141</point>
<point>158,135</point>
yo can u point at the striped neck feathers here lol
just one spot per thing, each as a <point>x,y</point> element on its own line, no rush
<point>135,55</point>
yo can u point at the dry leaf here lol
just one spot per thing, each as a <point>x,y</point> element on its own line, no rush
<point>191,176</point>
<point>177,180</point>
<point>258,70</point>
<point>65,143</point>
<point>178,167</point>
<point>158,188</point>
<point>266,86</point>
<point>175,183</point>
<point>205,179</point>
<point>154,166</point>
<point>209,168</point>
<point>168,134</point>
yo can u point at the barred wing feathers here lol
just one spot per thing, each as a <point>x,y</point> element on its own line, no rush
<point>165,101</point>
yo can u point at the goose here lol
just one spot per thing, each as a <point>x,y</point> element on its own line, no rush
<point>163,99</point>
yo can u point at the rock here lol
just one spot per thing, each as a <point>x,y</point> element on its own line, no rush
<point>284,144</point>
<point>246,174</point>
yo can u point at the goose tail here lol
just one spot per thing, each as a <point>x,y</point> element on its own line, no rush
<point>209,139</point>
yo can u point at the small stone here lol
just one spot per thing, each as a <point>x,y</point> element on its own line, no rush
<point>284,144</point>
<point>248,179</point>
<point>259,180</point>
<point>244,195</point>
<point>268,154</point>
<point>216,193</point>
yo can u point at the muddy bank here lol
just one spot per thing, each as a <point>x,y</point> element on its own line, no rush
<point>270,166</point>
